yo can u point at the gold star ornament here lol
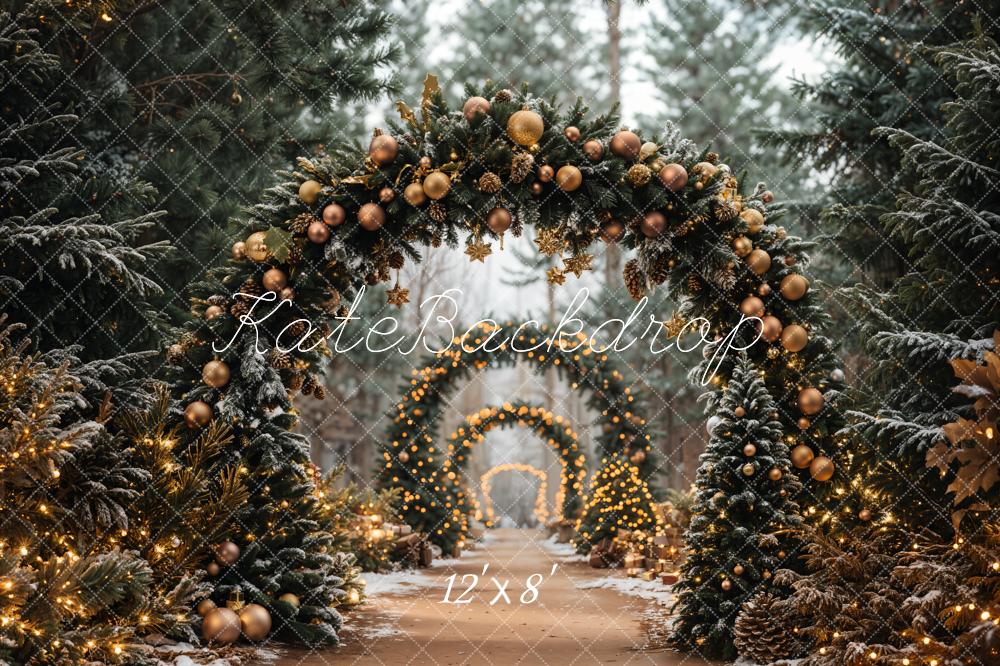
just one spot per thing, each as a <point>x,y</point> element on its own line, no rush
<point>578,264</point>
<point>556,276</point>
<point>550,241</point>
<point>398,296</point>
<point>478,251</point>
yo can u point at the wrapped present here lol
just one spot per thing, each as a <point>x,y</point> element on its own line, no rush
<point>649,575</point>
<point>669,577</point>
<point>635,560</point>
<point>634,572</point>
<point>662,566</point>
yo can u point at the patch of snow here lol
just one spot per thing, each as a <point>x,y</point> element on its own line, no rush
<point>395,582</point>
<point>566,552</point>
<point>651,590</point>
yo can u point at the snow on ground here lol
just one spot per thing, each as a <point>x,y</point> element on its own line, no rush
<point>651,590</point>
<point>564,551</point>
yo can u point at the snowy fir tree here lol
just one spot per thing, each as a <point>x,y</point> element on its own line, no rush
<point>743,507</point>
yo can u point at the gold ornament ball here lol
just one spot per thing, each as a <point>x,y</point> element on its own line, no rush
<point>525,127</point>
<point>626,145</point>
<point>759,261</point>
<point>764,289</point>
<point>810,401</point>
<point>774,474</point>
<point>256,246</point>
<point>386,195</point>
<point>213,569</point>
<point>204,607</point>
<point>414,194</point>
<point>226,553</point>
<point>804,423</point>
<point>537,188</point>
<point>436,185</point>
<point>749,469</point>
<point>865,515</point>
<point>751,306</point>
<point>674,177</point>
<point>593,149</point>
<point>213,311</point>
<point>794,286</point>
<point>802,456</point>
<point>274,279</point>
<point>771,328</point>
<point>255,622</point>
<point>569,178</point>
<point>318,232</point>
<point>742,246</point>
<point>546,173</point>
<point>767,197</point>
<point>612,232</point>
<point>291,599</point>
<point>499,220</point>
<point>727,585</point>
<point>740,412</point>
<point>572,133</point>
<point>821,468</point>
<point>287,294</point>
<point>425,162</point>
<point>705,169</point>
<point>404,456</point>
<point>383,149</point>
<point>198,414</point>
<point>738,570</point>
<point>794,338</point>
<point>371,217</point>
<point>309,191</point>
<point>753,219</point>
<point>653,224</point>
<point>749,450</point>
<point>239,250</point>
<point>215,374</point>
<point>221,626</point>
<point>475,106</point>
<point>334,215</point>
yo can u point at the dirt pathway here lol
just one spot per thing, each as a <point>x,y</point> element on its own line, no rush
<point>573,621</point>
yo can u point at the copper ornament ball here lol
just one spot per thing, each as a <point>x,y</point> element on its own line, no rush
<point>802,456</point>
<point>404,456</point>
<point>436,185</point>
<point>255,621</point>
<point>738,570</point>
<point>804,423</point>
<point>318,232</point>
<point>291,599</point>
<point>499,220</point>
<point>705,169</point>
<point>612,232</point>
<point>383,149</point>
<point>749,469</point>
<point>774,474</point>
<point>653,224</point>
<point>794,338</point>
<point>593,149</point>
<point>674,177</point>
<point>865,515</point>
<point>740,412</point>
<point>794,286</point>
<point>334,214</point>
<point>414,195</point>
<point>759,261</point>
<point>537,188</point>
<point>226,553</point>
<point>425,162</point>
<point>742,246</point>
<point>753,219</point>
<point>572,133</point>
<point>751,306</point>
<point>287,294</point>
<point>386,195</point>
<point>749,450</point>
<point>767,197</point>
<point>546,173</point>
<point>198,414</point>
<point>274,279</point>
<point>213,569</point>
<point>764,289</point>
<point>371,217</point>
<point>256,246</point>
<point>569,178</point>
<point>221,626</point>
<point>309,191</point>
<point>727,585</point>
<point>771,328</point>
<point>215,374</point>
<point>525,127</point>
<point>239,250</point>
<point>626,144</point>
<point>204,607</point>
<point>213,311</point>
<point>821,468</point>
<point>475,106</point>
<point>810,401</point>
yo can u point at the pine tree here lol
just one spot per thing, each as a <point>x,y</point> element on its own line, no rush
<point>616,503</point>
<point>743,502</point>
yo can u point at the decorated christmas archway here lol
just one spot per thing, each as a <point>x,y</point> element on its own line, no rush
<point>434,491</point>
<point>486,488</point>
<point>503,161</point>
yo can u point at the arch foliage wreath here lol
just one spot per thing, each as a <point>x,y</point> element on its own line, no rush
<point>486,487</point>
<point>434,491</point>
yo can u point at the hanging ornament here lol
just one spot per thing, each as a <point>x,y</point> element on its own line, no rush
<point>612,232</point>
<point>753,219</point>
<point>291,599</point>
<point>740,412</point>
<point>255,621</point>
<point>810,401</point>
<point>274,279</point>
<point>749,469</point>
<point>749,450</point>
<point>759,261</point>
<point>213,311</point>
<point>742,246</point>
<point>821,468</point>
<point>475,106</point>
<point>499,220</point>
<point>221,626</point>
<point>383,149</point>
<point>371,217</point>
<point>226,553</point>
<point>865,515</point>
<point>802,456</point>
<point>386,195</point>
<point>674,177</point>
<point>774,474</point>
<point>318,232</point>
<point>751,306</point>
<point>215,374</point>
<point>569,178</point>
<point>239,250</point>
<point>572,134</point>
<point>794,338</point>
<point>626,144</point>
<point>771,328</point>
<point>764,289</point>
<point>397,296</point>
<point>804,423</point>
<point>537,189</point>
<point>653,224</point>
<point>794,286</point>
<point>638,175</point>
<point>213,569</point>
<point>204,607</point>
<point>478,251</point>
<point>726,585</point>
<point>198,414</point>
<point>546,173</point>
<point>414,195</point>
<point>738,570</point>
<point>837,375</point>
<point>436,185</point>
<point>309,191</point>
<point>256,246</point>
<point>404,456</point>
<point>525,127</point>
<point>287,294</point>
<point>712,423</point>
<point>334,214</point>
<point>593,149</point>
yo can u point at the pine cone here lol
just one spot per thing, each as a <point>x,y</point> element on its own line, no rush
<point>437,211</point>
<point>319,393</point>
<point>760,634</point>
<point>694,284</point>
<point>332,302</point>
<point>639,175</point>
<point>712,157</point>
<point>396,260</point>
<point>517,228</point>
<point>490,183</point>
<point>309,385</point>
<point>521,167</point>
<point>661,270</point>
<point>635,281</point>
<point>300,223</point>
<point>726,212</point>
<point>296,329</point>
<point>279,359</point>
<point>295,382</point>
<point>503,96</point>
<point>240,308</point>
<point>217,300</point>
<point>295,253</point>
<point>175,354</point>
<point>436,240</point>
<point>252,288</point>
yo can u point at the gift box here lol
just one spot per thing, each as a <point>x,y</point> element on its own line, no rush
<point>635,560</point>
<point>649,575</point>
<point>634,572</point>
<point>669,578</point>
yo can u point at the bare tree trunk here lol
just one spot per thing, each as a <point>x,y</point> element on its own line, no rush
<point>550,374</point>
<point>613,254</point>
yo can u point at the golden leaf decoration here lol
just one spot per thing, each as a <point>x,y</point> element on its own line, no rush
<point>407,115</point>
<point>431,88</point>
